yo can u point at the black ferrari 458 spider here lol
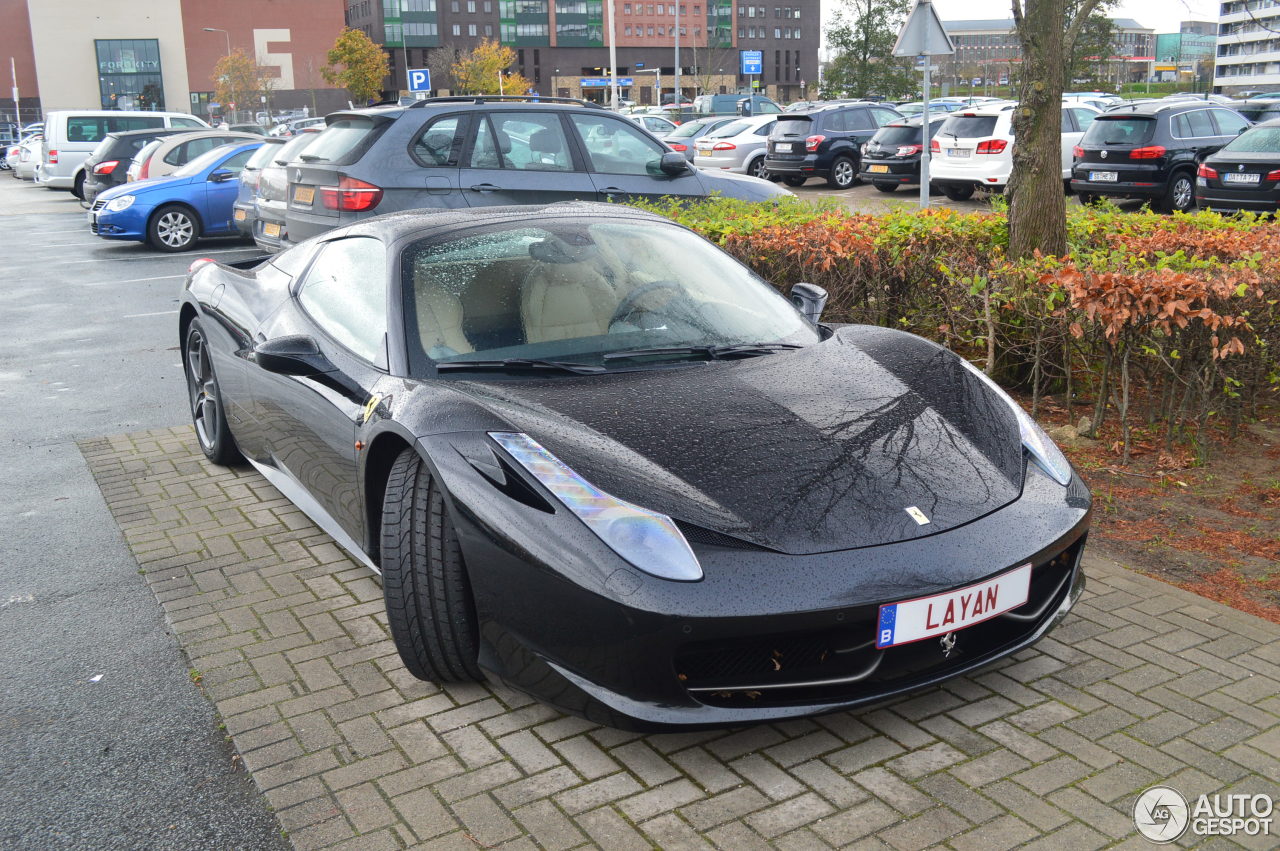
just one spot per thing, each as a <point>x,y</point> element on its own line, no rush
<point>596,458</point>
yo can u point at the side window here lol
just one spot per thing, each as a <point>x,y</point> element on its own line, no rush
<point>531,141</point>
<point>858,119</point>
<point>485,151</point>
<point>1181,127</point>
<point>136,122</point>
<point>86,129</point>
<point>763,129</point>
<point>345,292</point>
<point>613,147</point>
<point>834,121</point>
<point>883,116</point>
<point>1229,123</point>
<point>1068,124</point>
<point>238,161</point>
<point>1084,118</point>
<point>439,143</point>
<point>1201,123</point>
<point>184,122</point>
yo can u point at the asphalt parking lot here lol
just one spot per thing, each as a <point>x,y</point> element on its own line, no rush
<point>127,555</point>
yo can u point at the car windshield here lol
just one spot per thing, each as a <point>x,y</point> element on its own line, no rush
<point>289,151</point>
<point>897,134</point>
<point>577,290</point>
<point>339,139</point>
<point>1257,140</point>
<point>969,126</point>
<point>263,154</point>
<point>1256,112</point>
<point>205,161</point>
<point>733,128</point>
<point>1119,130</point>
<point>689,128</point>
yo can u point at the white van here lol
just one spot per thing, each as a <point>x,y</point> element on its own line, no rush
<point>71,135</point>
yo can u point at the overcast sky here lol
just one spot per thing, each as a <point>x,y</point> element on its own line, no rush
<point>1163,16</point>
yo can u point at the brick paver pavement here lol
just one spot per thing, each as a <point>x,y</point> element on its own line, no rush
<point>1144,683</point>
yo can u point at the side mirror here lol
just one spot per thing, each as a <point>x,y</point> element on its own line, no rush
<point>673,164</point>
<point>221,175</point>
<point>809,299</point>
<point>296,354</point>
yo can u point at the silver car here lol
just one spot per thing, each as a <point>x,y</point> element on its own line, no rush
<point>738,146</point>
<point>685,137</point>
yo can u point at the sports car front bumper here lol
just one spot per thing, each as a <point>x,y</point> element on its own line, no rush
<point>765,635</point>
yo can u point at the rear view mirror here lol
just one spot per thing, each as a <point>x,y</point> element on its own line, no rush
<point>673,164</point>
<point>221,175</point>
<point>809,299</point>
<point>296,354</point>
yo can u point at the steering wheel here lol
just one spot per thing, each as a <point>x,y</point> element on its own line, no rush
<point>627,307</point>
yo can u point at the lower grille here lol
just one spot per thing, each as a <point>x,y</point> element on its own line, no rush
<point>844,664</point>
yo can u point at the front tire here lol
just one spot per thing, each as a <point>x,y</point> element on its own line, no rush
<point>424,580</point>
<point>173,228</point>
<point>208,414</point>
<point>843,173</point>
<point>957,191</point>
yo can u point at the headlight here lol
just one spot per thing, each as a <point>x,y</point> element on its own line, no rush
<point>124,202</point>
<point>1043,450</point>
<point>647,539</point>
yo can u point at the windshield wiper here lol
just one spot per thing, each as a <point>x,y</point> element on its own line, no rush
<point>312,158</point>
<point>520,363</point>
<point>710,352</point>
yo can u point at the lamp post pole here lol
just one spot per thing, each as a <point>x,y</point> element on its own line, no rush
<point>613,56</point>
<point>679,97</point>
<point>228,37</point>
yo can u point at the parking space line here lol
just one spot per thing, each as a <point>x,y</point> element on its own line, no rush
<point>156,256</point>
<point>140,315</point>
<point>129,281</point>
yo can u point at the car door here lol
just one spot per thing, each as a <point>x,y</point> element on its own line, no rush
<point>309,423</point>
<point>432,177</point>
<point>518,157</point>
<point>1075,121</point>
<point>625,162</point>
<point>221,186</point>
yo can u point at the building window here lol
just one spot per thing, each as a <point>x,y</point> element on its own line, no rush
<point>129,74</point>
<point>742,32</point>
<point>777,32</point>
<point>488,30</point>
<point>651,31</point>
<point>419,28</point>
<point>471,7</point>
<point>457,29</point>
<point>419,5</point>
<point>393,33</point>
<point>471,30</point>
<point>390,8</point>
<point>626,30</point>
<point>626,8</point>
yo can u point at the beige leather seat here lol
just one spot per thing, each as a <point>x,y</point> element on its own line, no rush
<point>440,323</point>
<point>560,301</point>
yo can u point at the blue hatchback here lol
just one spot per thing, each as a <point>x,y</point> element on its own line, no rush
<point>172,212</point>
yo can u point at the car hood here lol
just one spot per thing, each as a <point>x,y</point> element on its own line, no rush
<point>744,186</point>
<point>820,449</point>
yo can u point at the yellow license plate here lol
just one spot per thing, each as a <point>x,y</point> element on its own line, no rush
<point>239,215</point>
<point>879,169</point>
<point>271,230</point>
<point>304,194</point>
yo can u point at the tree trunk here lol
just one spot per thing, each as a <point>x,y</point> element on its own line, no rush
<point>1037,205</point>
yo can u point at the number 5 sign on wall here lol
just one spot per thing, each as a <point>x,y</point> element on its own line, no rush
<point>267,59</point>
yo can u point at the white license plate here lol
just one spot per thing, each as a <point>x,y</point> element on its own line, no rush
<point>1104,176</point>
<point>958,153</point>
<point>1241,177</point>
<point>926,617</point>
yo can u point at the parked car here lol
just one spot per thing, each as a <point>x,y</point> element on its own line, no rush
<point>295,126</point>
<point>171,213</point>
<point>737,147</point>
<point>271,195</point>
<point>935,107</point>
<point>173,152</point>
<point>1257,111</point>
<point>254,129</point>
<point>521,413</point>
<point>682,138</point>
<point>1244,174</point>
<point>108,165</point>
<point>481,152</point>
<point>655,124</point>
<point>974,148</point>
<point>824,143</point>
<point>732,105</point>
<point>27,160</point>
<point>1152,151</point>
<point>71,135</point>
<point>245,213</point>
<point>892,157</point>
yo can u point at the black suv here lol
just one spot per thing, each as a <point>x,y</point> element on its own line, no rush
<point>892,157</point>
<point>486,151</point>
<point>824,142</point>
<point>107,165</point>
<point>1151,150</point>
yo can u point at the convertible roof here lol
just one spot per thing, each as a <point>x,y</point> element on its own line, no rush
<point>393,226</point>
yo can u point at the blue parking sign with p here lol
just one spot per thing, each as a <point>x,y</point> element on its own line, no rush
<point>419,79</point>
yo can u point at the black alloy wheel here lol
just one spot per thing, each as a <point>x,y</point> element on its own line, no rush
<point>207,412</point>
